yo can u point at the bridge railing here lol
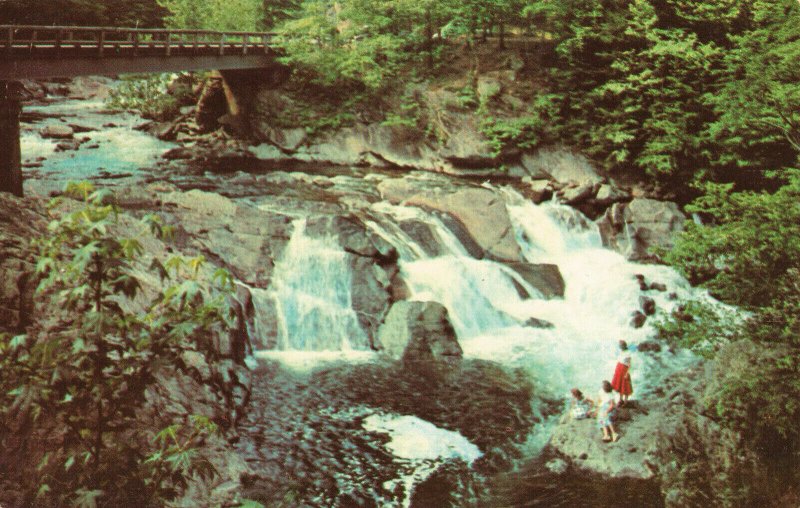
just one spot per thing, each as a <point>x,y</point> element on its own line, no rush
<point>20,41</point>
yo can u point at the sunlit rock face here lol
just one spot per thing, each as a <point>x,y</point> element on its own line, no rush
<point>418,332</point>
<point>636,228</point>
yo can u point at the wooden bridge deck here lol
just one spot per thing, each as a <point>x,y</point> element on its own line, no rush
<point>63,51</point>
<point>52,51</point>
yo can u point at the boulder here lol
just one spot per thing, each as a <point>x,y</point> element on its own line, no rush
<point>546,278</point>
<point>580,441</point>
<point>57,131</point>
<point>239,237</point>
<point>560,165</point>
<point>578,193</point>
<point>288,139</point>
<point>481,212</point>
<point>178,153</point>
<point>609,193</point>
<point>539,191</point>
<point>648,305</point>
<point>467,147</point>
<point>370,296</point>
<point>638,319</point>
<point>635,228</point>
<point>423,236</point>
<point>538,323</point>
<point>419,332</point>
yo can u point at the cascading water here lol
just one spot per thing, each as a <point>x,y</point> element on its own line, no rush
<point>489,315</point>
<point>311,298</point>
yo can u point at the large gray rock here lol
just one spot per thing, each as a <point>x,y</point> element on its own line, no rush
<point>419,331</point>
<point>481,212</point>
<point>561,165</point>
<point>242,238</point>
<point>546,278</point>
<point>57,131</point>
<point>455,142</point>
<point>635,228</point>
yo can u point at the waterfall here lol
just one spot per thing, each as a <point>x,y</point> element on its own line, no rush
<point>310,297</point>
<point>489,315</point>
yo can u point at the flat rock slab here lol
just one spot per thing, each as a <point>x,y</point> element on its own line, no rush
<point>629,457</point>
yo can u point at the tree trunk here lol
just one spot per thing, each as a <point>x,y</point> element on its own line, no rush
<point>429,37</point>
<point>502,30</point>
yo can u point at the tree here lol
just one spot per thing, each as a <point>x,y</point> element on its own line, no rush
<point>85,376</point>
<point>230,15</point>
<point>758,127</point>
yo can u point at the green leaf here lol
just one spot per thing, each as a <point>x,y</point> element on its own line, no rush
<point>87,498</point>
<point>17,341</point>
<point>249,503</point>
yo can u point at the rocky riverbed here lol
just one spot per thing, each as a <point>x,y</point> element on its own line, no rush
<point>376,293</point>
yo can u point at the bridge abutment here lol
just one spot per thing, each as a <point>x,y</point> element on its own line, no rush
<point>10,155</point>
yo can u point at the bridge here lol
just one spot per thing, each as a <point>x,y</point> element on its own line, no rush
<point>28,52</point>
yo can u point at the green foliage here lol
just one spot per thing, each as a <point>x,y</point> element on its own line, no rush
<point>757,391</point>
<point>225,15</point>
<point>331,52</point>
<point>759,124</point>
<point>676,90</point>
<point>747,254</point>
<point>123,13</point>
<point>153,96</point>
<point>701,326</point>
<point>178,457</point>
<point>752,241</point>
<point>87,375</point>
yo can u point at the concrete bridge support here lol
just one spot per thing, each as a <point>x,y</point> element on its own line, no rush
<point>241,92</point>
<point>10,156</point>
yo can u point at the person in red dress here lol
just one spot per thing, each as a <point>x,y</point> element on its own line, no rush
<point>621,382</point>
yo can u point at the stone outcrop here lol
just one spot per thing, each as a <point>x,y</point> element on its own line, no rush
<point>635,228</point>
<point>419,332</point>
<point>480,212</point>
<point>630,457</point>
<point>668,436</point>
<point>211,105</point>
<point>57,131</point>
<point>20,223</point>
<point>560,165</point>
<point>545,278</point>
<point>241,238</point>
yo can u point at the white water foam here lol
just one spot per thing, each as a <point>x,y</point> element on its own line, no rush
<point>489,315</point>
<point>310,297</point>
<point>420,447</point>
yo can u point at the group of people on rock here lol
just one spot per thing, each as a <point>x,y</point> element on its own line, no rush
<point>604,407</point>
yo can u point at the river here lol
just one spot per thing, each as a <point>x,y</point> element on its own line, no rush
<point>332,423</point>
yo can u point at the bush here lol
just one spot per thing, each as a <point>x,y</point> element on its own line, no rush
<point>76,384</point>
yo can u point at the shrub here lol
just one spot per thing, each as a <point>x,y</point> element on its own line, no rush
<point>80,379</point>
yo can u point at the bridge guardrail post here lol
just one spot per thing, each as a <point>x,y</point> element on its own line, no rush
<point>59,35</point>
<point>101,43</point>
<point>10,42</point>
<point>222,45</point>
